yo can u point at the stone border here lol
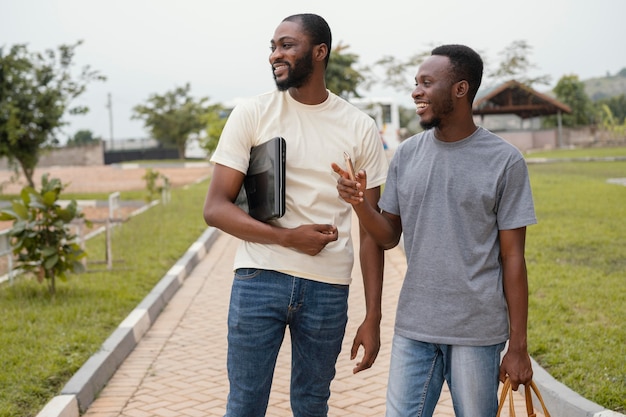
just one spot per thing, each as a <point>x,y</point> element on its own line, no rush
<point>82,389</point>
<point>561,401</point>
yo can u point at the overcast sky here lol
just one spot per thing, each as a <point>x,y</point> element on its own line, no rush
<point>221,47</point>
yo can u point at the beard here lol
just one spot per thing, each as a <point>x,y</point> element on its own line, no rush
<point>447,107</point>
<point>297,75</point>
<point>429,124</point>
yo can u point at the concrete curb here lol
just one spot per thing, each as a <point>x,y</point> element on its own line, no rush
<point>561,401</point>
<point>82,389</point>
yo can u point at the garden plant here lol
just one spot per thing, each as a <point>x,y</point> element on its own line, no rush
<point>41,237</point>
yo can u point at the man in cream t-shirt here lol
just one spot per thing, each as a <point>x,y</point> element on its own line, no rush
<point>295,271</point>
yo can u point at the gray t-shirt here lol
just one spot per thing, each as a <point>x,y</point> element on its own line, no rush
<point>453,198</point>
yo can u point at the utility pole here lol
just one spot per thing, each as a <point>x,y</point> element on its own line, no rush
<point>110,107</point>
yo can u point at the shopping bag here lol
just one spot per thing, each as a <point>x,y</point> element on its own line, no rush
<point>529,389</point>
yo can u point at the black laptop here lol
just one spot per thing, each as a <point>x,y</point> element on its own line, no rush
<point>262,194</point>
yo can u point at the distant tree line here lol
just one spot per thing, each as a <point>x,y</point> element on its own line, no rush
<point>83,137</point>
<point>37,89</point>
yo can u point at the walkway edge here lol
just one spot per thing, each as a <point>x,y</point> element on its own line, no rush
<point>564,402</point>
<point>82,389</point>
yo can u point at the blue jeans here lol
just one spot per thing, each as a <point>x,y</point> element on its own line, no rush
<point>263,303</point>
<point>418,369</point>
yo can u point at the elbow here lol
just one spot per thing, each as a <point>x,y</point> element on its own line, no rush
<point>210,215</point>
<point>207,218</point>
<point>385,241</point>
<point>384,238</point>
<point>388,246</point>
<point>391,243</point>
<point>219,214</point>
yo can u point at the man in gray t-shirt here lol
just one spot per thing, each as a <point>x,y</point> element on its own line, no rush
<point>460,196</point>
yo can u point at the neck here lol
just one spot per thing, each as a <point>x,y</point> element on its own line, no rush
<point>454,132</point>
<point>458,124</point>
<point>308,97</point>
<point>312,92</point>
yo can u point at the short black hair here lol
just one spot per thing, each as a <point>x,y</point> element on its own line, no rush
<point>466,65</point>
<point>316,28</point>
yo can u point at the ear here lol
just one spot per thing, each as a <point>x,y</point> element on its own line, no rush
<point>461,88</point>
<point>320,51</point>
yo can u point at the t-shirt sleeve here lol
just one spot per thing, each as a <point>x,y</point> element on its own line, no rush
<point>516,207</point>
<point>373,159</point>
<point>233,148</point>
<point>389,199</point>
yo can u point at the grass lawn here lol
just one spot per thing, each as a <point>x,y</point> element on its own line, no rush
<point>576,258</point>
<point>608,152</point>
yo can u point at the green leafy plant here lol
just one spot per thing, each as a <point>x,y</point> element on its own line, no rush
<point>41,238</point>
<point>153,186</point>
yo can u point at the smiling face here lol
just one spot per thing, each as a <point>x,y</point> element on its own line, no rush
<point>292,56</point>
<point>433,91</point>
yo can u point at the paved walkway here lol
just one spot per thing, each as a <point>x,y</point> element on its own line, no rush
<point>178,367</point>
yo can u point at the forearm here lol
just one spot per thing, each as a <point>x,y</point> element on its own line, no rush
<point>516,294</point>
<point>372,262</point>
<point>231,219</point>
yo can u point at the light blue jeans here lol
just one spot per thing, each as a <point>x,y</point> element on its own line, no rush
<point>418,370</point>
<point>263,303</point>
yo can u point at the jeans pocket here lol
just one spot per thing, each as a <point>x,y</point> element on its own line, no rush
<point>246,273</point>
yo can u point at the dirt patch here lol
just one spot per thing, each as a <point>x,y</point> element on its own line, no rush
<point>108,178</point>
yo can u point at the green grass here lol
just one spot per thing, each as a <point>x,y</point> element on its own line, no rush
<point>581,153</point>
<point>44,340</point>
<point>576,257</point>
<point>124,195</point>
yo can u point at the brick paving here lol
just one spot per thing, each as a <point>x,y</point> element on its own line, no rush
<point>178,368</point>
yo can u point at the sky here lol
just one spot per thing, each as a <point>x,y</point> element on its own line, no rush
<point>221,48</point>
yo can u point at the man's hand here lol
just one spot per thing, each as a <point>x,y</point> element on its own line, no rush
<point>517,366</point>
<point>349,190</point>
<point>368,336</point>
<point>311,238</point>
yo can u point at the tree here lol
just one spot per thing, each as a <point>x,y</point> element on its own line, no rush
<point>82,137</point>
<point>611,124</point>
<point>399,74</point>
<point>36,90</point>
<point>174,117</point>
<point>341,78</point>
<point>571,91</point>
<point>515,65</point>
<point>616,105</point>
<point>215,120</point>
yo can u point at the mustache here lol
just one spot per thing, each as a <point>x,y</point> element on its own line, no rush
<point>280,62</point>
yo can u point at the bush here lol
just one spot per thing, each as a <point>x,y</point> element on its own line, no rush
<point>41,238</point>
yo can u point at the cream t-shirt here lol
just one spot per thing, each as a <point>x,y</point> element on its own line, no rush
<point>315,135</point>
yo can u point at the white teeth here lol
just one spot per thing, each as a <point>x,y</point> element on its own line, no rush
<point>421,105</point>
